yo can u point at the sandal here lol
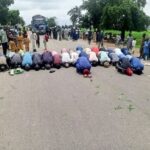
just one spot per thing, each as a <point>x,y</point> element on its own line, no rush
<point>52,71</point>
<point>18,71</point>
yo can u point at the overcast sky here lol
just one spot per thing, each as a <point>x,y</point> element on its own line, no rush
<point>50,8</point>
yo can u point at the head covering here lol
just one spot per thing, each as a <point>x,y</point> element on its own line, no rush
<point>66,65</point>
<point>37,67</point>
<point>64,50</point>
<point>47,66</point>
<point>87,50</point>
<point>79,48</point>
<point>86,72</point>
<point>129,72</point>
<point>106,64</point>
<point>96,50</point>
<point>27,67</point>
<point>54,53</point>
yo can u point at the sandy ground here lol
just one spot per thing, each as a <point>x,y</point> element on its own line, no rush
<point>64,111</point>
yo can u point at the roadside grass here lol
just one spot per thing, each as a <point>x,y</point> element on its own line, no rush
<point>135,34</point>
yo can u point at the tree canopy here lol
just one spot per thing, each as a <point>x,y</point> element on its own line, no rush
<point>6,3</point>
<point>14,17</point>
<point>75,15</point>
<point>11,17</point>
<point>115,14</point>
<point>51,22</point>
<point>125,14</point>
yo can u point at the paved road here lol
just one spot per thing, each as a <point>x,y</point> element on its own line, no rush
<point>64,111</point>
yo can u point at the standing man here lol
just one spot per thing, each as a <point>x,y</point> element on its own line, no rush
<point>129,42</point>
<point>4,40</point>
<point>142,45</point>
<point>33,39</point>
<point>60,33</point>
<point>99,38</point>
<point>90,36</point>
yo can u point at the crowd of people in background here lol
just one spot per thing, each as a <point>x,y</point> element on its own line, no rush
<point>73,33</point>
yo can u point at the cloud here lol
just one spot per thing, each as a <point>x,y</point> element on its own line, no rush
<point>47,8</point>
<point>50,8</point>
<point>147,8</point>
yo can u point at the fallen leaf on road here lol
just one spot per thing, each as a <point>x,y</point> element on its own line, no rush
<point>1,98</point>
<point>118,107</point>
<point>130,107</point>
<point>97,93</point>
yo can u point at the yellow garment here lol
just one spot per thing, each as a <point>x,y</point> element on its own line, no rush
<point>12,46</point>
<point>20,42</point>
<point>27,43</point>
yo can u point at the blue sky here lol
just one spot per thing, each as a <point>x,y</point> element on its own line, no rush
<point>50,8</point>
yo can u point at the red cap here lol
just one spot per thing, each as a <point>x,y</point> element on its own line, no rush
<point>86,72</point>
<point>129,72</point>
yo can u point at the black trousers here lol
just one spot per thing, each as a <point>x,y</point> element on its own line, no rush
<point>5,48</point>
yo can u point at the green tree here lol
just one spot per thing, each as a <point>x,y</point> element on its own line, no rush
<point>21,21</point>
<point>14,17</point>
<point>140,3</point>
<point>94,11</point>
<point>85,21</point>
<point>51,22</point>
<point>3,15</point>
<point>125,15</point>
<point>4,4</point>
<point>117,14</point>
<point>75,14</point>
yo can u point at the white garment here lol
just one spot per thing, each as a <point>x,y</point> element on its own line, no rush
<point>66,57</point>
<point>3,36</point>
<point>10,54</point>
<point>74,57</point>
<point>133,43</point>
<point>118,51</point>
<point>93,57</point>
<point>33,39</point>
<point>3,60</point>
<point>103,56</point>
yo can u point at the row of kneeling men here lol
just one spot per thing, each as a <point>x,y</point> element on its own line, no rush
<point>82,59</point>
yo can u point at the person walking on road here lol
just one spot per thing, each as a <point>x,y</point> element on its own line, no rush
<point>4,40</point>
<point>142,45</point>
<point>45,40</point>
<point>99,38</point>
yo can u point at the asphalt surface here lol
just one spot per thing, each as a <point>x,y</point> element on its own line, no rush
<point>64,111</point>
